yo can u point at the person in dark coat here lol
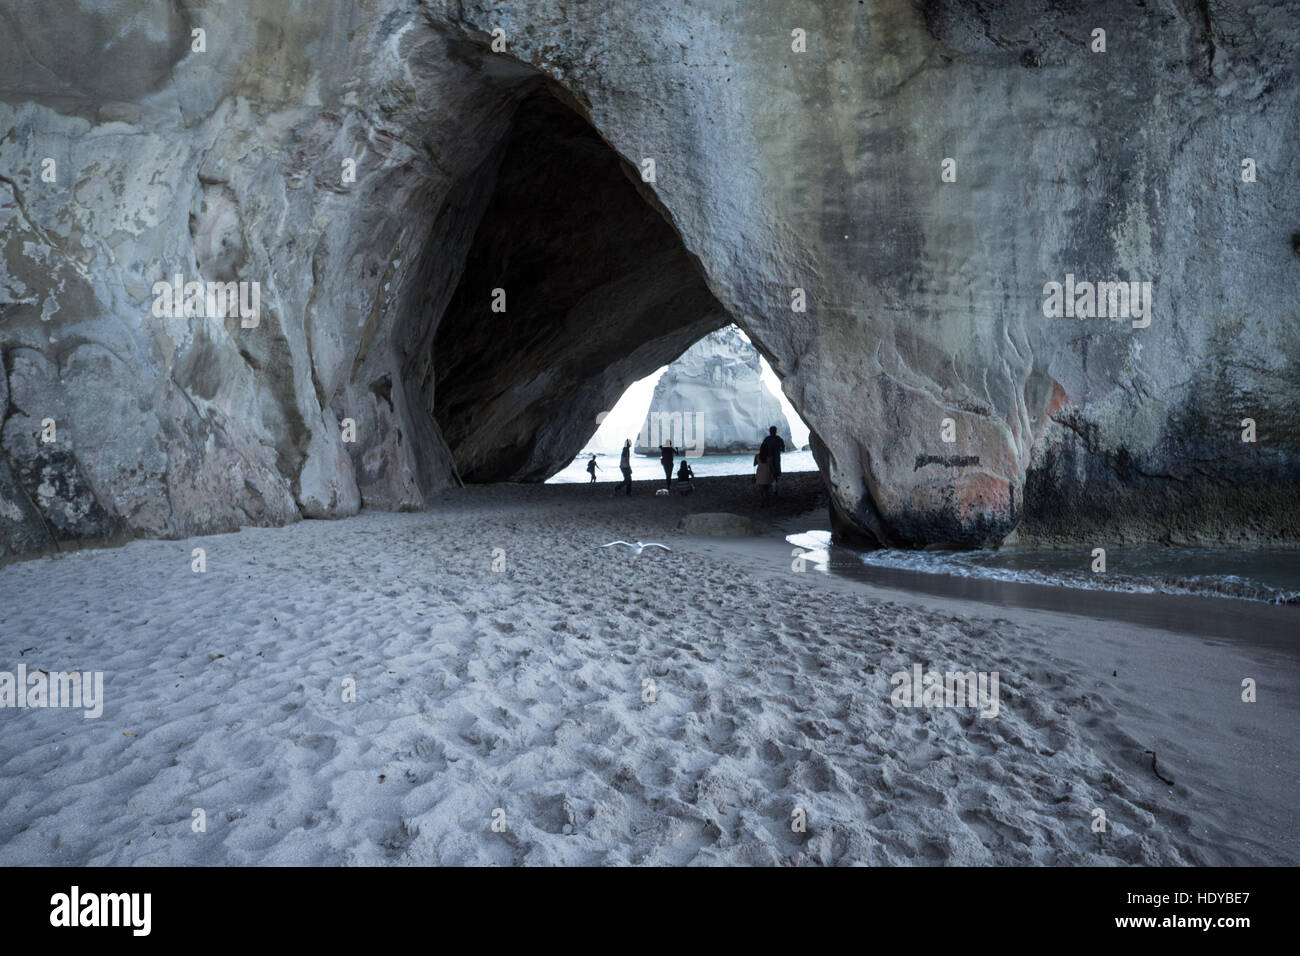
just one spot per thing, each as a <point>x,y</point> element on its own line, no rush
<point>770,453</point>
<point>625,466</point>
<point>666,459</point>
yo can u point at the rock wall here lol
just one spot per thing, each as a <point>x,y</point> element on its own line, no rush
<point>347,157</point>
<point>712,400</point>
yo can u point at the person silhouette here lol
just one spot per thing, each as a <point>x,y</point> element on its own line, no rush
<point>591,469</point>
<point>770,453</point>
<point>684,475</point>
<point>666,453</point>
<point>625,466</point>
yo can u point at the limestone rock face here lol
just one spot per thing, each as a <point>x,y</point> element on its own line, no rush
<point>712,400</point>
<point>379,171</point>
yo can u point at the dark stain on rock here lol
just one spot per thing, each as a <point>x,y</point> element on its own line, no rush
<point>950,461</point>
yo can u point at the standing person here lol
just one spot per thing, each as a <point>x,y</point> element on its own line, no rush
<point>591,469</point>
<point>625,466</point>
<point>770,452</point>
<point>666,459</point>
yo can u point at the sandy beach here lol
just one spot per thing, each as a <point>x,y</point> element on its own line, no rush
<point>678,707</point>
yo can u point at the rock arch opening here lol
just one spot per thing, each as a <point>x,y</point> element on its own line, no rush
<point>574,286</point>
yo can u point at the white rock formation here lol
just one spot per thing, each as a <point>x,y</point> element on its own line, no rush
<point>712,400</point>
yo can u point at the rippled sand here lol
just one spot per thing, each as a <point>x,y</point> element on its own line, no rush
<point>523,690</point>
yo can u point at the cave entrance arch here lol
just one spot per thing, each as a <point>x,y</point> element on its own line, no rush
<point>575,285</point>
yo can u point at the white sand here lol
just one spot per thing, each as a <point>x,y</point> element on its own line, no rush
<point>522,690</point>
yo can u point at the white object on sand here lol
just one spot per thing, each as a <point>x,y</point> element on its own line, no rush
<point>638,547</point>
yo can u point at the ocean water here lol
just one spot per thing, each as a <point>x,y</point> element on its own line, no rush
<point>1270,576</point>
<point>646,469</point>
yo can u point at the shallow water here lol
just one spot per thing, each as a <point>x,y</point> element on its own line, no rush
<point>647,469</point>
<point>1205,613</point>
<point>1052,584</point>
<point>1254,575</point>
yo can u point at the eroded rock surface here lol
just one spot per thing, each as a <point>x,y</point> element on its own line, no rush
<point>128,156</point>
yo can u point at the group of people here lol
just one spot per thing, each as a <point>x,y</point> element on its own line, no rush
<point>767,462</point>
<point>685,474</point>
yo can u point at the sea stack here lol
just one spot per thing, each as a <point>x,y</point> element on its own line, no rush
<point>712,400</point>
